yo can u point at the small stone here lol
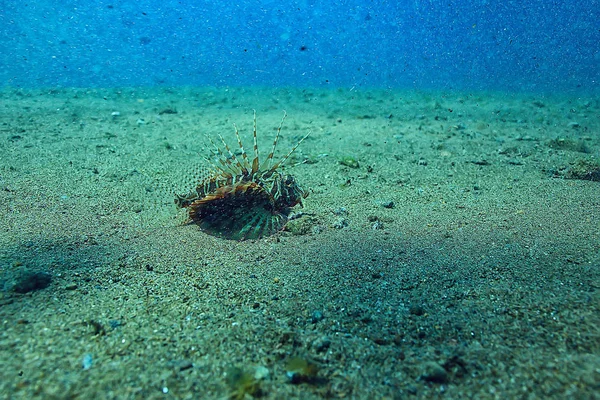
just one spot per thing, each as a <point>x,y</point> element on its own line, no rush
<point>381,341</point>
<point>316,316</point>
<point>300,370</point>
<point>538,104</point>
<point>261,373</point>
<point>340,223</point>
<point>114,324</point>
<point>71,286</point>
<point>434,372</point>
<point>340,211</point>
<point>87,362</point>
<point>183,365</point>
<point>322,344</point>
<point>416,310</point>
<point>387,203</point>
<point>412,389</point>
<point>28,281</point>
<point>302,226</point>
<point>349,161</point>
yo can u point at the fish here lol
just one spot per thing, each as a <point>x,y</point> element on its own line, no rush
<point>242,198</point>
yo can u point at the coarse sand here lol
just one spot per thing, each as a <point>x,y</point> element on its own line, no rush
<point>449,247</point>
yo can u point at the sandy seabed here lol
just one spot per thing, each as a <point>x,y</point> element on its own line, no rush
<point>449,248</point>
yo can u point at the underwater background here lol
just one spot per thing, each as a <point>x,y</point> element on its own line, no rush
<point>446,157</point>
<point>534,45</point>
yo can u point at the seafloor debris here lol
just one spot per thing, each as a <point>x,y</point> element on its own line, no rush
<point>25,280</point>
<point>584,169</point>
<point>242,198</point>
<point>569,144</point>
<point>349,161</point>
<point>300,370</point>
<point>243,384</point>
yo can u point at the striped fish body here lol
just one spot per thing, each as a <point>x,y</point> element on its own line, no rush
<point>241,200</point>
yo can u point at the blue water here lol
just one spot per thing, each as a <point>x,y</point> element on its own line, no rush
<point>536,45</point>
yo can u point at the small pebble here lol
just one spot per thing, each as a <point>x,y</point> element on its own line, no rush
<point>340,223</point>
<point>87,362</point>
<point>377,225</point>
<point>28,281</point>
<point>300,370</point>
<point>183,365</point>
<point>412,389</point>
<point>341,211</point>
<point>416,310</point>
<point>316,316</point>
<point>434,372</point>
<point>349,161</point>
<point>261,373</point>
<point>322,344</point>
<point>386,203</point>
<point>538,104</point>
<point>114,323</point>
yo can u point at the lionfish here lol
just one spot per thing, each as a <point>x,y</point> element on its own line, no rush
<point>241,199</point>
